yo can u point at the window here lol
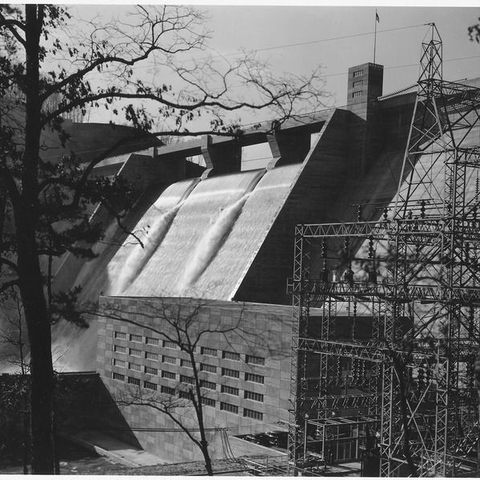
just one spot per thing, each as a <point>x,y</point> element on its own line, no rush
<point>186,363</point>
<point>252,414</point>
<point>357,94</point>
<point>252,377</point>
<point>134,366</point>
<point>152,341</point>
<point>187,395</point>
<point>186,379</point>
<point>258,397</point>
<point>230,355</point>
<point>230,390</point>
<point>134,352</point>
<point>151,370</point>
<point>357,73</point>
<point>167,359</point>
<point>205,367</point>
<point>119,349</point>
<point>168,390</point>
<point>168,344</point>
<point>208,401</point>
<point>228,372</point>
<point>254,360</point>
<point>150,385</point>
<point>209,385</point>
<point>119,363</point>
<point>133,381</point>
<point>121,335</point>
<point>135,338</point>
<point>118,376</point>
<point>169,375</point>
<point>209,351</point>
<point>228,407</point>
<point>151,356</point>
<point>358,83</point>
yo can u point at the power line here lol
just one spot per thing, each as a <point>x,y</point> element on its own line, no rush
<point>312,42</point>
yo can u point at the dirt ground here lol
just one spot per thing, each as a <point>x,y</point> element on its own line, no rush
<point>74,460</point>
<point>77,460</point>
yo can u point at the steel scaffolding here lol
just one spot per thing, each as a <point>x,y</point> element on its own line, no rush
<point>414,278</point>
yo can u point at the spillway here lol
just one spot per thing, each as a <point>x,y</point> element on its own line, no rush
<point>150,231</point>
<point>200,228</point>
<point>230,264</point>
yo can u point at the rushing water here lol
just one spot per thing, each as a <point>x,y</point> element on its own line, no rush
<point>200,227</point>
<point>150,232</point>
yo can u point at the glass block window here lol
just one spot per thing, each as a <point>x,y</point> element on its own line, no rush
<point>170,375</point>
<point>187,395</point>
<point>230,355</point>
<point>205,367</point>
<point>254,360</point>
<point>135,338</point>
<point>118,376</point>
<point>258,397</point>
<point>168,359</point>
<point>209,385</point>
<point>209,351</point>
<point>253,377</point>
<point>186,363</point>
<point>210,402</point>
<point>252,414</point>
<point>228,407</point>
<point>120,335</point>
<point>228,372</point>
<point>133,381</point>
<point>152,341</point>
<point>151,370</point>
<point>149,385</point>
<point>230,390</point>
<point>186,379</point>
<point>168,390</point>
<point>151,356</point>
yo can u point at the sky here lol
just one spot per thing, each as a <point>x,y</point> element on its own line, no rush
<point>298,39</point>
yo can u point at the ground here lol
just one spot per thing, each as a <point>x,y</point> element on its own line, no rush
<point>77,460</point>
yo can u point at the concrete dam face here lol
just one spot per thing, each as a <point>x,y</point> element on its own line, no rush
<point>197,239</point>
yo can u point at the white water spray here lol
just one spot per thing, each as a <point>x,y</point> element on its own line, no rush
<point>211,243</point>
<point>140,255</point>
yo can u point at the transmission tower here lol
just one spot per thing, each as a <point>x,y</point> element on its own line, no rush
<point>415,275</point>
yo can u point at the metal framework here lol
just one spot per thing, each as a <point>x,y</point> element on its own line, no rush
<point>413,278</point>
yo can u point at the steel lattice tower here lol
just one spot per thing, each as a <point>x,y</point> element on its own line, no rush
<point>421,289</point>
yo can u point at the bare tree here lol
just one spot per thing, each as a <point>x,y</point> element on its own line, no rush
<point>182,324</point>
<point>47,72</point>
<point>187,324</point>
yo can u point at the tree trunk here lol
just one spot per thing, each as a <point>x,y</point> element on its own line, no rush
<point>39,334</point>
<point>29,273</point>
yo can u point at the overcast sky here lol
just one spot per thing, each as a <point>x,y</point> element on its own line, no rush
<point>300,38</point>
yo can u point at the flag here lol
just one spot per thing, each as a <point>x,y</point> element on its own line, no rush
<point>377,18</point>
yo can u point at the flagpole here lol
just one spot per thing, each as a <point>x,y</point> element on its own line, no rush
<point>375,37</point>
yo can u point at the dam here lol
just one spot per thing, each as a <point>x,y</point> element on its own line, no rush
<point>221,237</point>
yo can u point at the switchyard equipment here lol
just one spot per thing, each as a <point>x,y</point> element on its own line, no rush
<point>405,392</point>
